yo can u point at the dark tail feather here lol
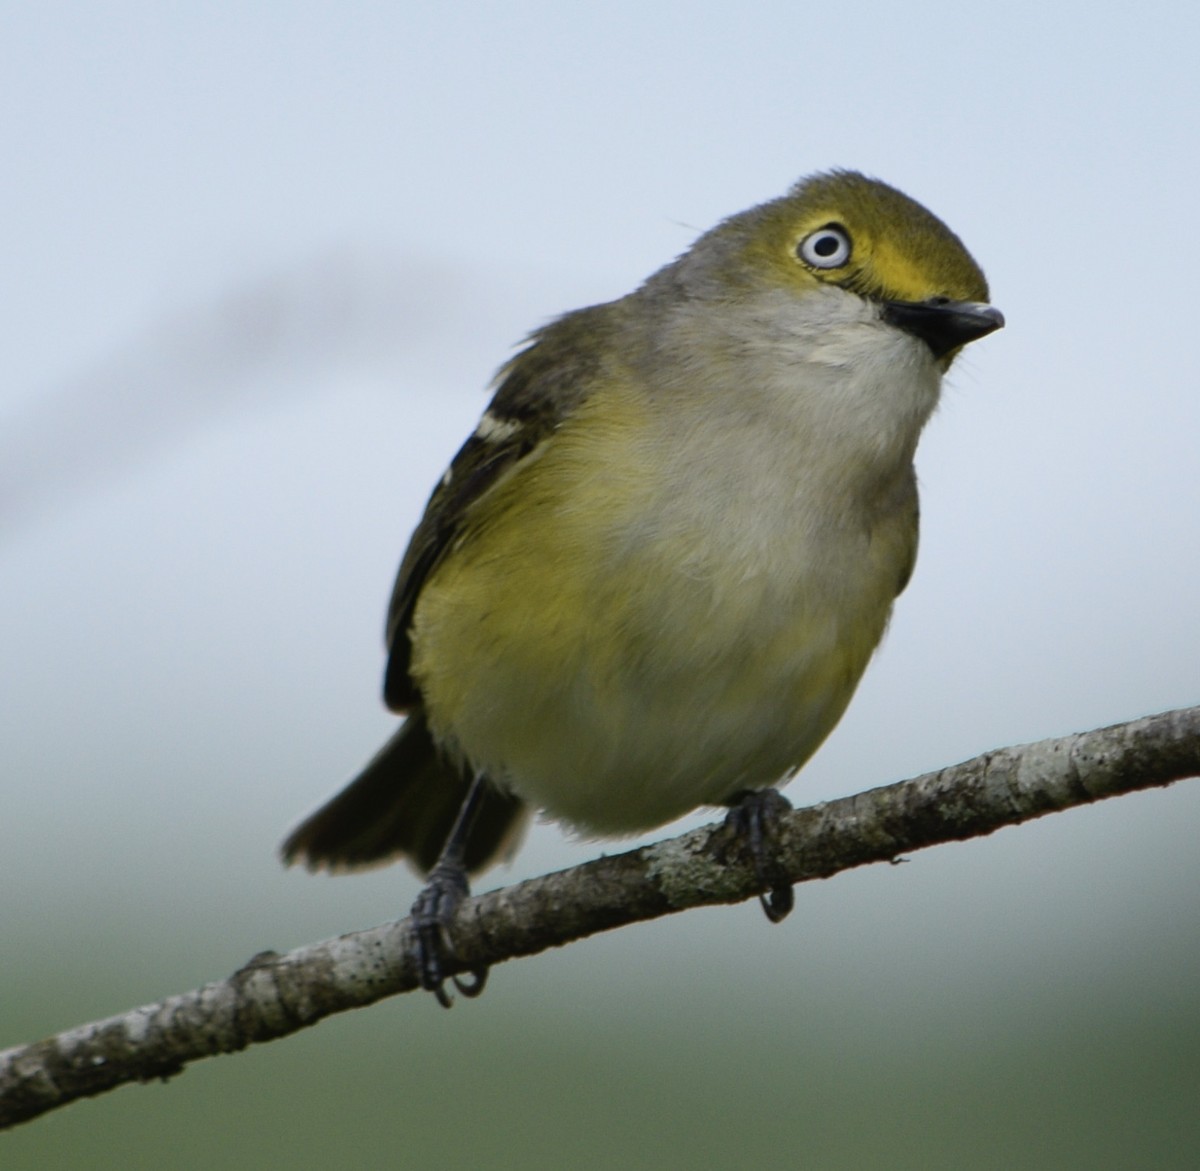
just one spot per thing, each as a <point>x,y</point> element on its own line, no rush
<point>402,805</point>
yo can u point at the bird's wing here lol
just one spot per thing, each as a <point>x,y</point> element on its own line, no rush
<point>542,386</point>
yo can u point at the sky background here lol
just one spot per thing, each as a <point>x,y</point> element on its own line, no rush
<point>257,265</point>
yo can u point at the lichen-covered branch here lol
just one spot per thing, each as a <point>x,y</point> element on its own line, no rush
<point>273,995</point>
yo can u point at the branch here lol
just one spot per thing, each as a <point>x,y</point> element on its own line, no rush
<point>274,995</point>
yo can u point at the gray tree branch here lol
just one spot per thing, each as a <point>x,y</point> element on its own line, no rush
<point>274,995</point>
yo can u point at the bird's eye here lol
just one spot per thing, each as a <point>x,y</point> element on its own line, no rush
<point>827,247</point>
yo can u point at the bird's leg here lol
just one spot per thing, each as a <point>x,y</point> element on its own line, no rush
<point>753,818</point>
<point>438,902</point>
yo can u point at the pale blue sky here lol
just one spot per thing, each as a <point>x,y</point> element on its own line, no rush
<point>259,261</point>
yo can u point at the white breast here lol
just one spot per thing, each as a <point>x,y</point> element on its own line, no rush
<point>718,580</point>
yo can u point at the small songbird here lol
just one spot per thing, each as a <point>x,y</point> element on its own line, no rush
<point>652,577</point>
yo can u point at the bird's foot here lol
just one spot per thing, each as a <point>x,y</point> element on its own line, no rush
<point>753,818</point>
<point>432,915</point>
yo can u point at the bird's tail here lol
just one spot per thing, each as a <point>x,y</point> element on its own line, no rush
<point>403,805</point>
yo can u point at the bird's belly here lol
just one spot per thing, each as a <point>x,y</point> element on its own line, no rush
<point>619,689</point>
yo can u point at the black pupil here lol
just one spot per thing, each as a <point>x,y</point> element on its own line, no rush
<point>827,245</point>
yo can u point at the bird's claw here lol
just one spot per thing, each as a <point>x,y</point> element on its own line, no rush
<point>432,914</point>
<point>753,819</point>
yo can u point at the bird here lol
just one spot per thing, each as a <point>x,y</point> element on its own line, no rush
<point>652,577</point>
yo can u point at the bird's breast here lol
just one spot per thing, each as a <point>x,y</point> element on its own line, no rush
<point>658,610</point>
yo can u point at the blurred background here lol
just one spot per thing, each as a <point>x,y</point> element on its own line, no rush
<point>258,263</point>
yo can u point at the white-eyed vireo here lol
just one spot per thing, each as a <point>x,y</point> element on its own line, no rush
<point>652,577</point>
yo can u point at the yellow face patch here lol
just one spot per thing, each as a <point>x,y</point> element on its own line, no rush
<point>868,238</point>
<point>898,274</point>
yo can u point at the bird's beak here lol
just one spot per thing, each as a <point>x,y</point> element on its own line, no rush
<point>943,325</point>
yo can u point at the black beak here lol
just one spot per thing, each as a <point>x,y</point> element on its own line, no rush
<point>943,325</point>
